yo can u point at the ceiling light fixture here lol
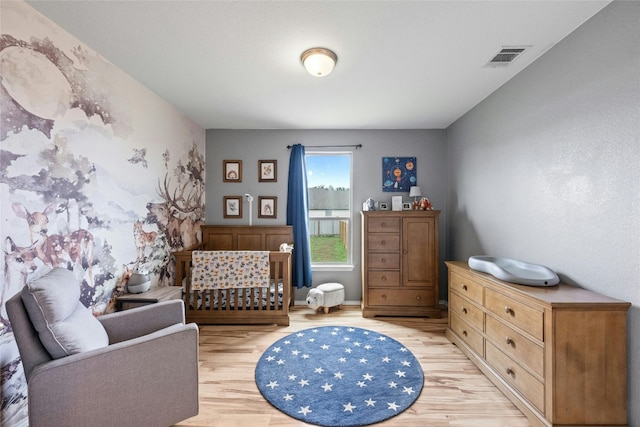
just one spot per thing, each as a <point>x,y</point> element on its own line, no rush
<point>319,61</point>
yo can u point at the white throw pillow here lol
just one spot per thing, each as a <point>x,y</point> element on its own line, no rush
<point>64,324</point>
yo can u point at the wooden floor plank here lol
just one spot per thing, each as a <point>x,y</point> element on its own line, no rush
<point>455,393</point>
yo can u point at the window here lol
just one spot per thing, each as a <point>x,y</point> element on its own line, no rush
<point>329,184</point>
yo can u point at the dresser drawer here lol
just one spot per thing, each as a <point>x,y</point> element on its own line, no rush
<point>472,337</point>
<point>470,289</point>
<point>521,315</point>
<point>466,310</point>
<point>384,225</point>
<point>517,376</point>
<point>401,297</point>
<point>383,242</point>
<point>383,260</point>
<point>515,345</point>
<point>383,278</point>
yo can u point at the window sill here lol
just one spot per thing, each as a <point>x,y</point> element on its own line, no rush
<point>332,267</point>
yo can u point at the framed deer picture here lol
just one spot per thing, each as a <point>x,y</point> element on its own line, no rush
<point>267,170</point>
<point>232,207</point>
<point>267,207</point>
<point>232,170</point>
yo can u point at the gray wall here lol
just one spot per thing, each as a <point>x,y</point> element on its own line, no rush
<point>428,146</point>
<point>547,169</point>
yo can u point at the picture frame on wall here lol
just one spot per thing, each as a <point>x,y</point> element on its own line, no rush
<point>232,170</point>
<point>267,207</point>
<point>232,206</point>
<point>267,170</point>
<point>399,174</point>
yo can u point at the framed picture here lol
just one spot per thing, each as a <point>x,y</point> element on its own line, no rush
<point>384,206</point>
<point>406,206</point>
<point>232,206</point>
<point>399,173</point>
<point>267,170</point>
<point>232,170</point>
<point>267,207</point>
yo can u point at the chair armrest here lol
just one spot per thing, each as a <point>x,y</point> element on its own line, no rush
<point>150,380</point>
<point>128,324</point>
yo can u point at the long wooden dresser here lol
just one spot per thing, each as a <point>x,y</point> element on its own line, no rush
<point>558,353</point>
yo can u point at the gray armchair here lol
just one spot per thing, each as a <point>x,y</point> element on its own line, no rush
<point>147,375</point>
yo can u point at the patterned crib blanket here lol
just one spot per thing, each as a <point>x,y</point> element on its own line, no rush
<point>229,269</point>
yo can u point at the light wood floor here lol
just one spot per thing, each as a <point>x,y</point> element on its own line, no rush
<point>455,392</point>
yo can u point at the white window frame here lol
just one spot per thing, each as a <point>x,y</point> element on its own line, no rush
<point>348,265</point>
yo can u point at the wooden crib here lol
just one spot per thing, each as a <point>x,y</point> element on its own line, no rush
<point>225,306</point>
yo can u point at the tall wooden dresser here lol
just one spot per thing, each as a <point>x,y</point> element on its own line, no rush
<point>558,353</point>
<point>400,263</point>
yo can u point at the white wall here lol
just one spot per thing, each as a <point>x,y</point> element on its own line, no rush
<point>253,145</point>
<point>547,169</point>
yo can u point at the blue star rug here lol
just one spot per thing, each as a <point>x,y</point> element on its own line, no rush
<point>339,376</point>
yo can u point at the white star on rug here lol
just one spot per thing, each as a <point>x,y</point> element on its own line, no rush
<point>406,363</point>
<point>288,397</point>
<point>400,374</point>
<point>292,377</point>
<point>367,377</point>
<point>393,406</point>
<point>273,384</point>
<point>325,347</point>
<point>408,390</point>
<point>349,407</point>
<point>361,384</point>
<point>276,349</point>
<point>304,410</point>
<point>280,362</point>
<point>386,359</point>
<point>363,360</point>
<point>338,375</point>
<point>370,402</point>
<point>303,383</point>
<point>328,387</point>
<point>318,370</point>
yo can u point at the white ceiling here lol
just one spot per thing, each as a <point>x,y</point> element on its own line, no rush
<point>401,64</point>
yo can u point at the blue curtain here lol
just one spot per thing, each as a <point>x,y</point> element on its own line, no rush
<point>297,216</point>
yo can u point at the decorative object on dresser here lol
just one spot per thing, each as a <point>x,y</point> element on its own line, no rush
<point>558,353</point>
<point>255,305</point>
<point>400,263</point>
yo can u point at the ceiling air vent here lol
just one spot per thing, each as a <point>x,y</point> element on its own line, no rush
<point>506,56</point>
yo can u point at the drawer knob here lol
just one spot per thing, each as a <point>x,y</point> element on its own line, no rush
<point>507,309</point>
<point>464,333</point>
<point>418,297</point>
<point>384,242</point>
<point>510,341</point>
<point>384,224</point>
<point>383,278</point>
<point>384,260</point>
<point>464,310</point>
<point>464,287</point>
<point>511,372</point>
<point>384,297</point>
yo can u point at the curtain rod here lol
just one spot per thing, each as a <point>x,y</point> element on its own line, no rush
<point>356,146</point>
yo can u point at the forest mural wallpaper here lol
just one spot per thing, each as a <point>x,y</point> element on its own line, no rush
<point>97,175</point>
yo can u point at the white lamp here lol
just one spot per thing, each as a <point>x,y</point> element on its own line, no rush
<point>319,61</point>
<point>415,192</point>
